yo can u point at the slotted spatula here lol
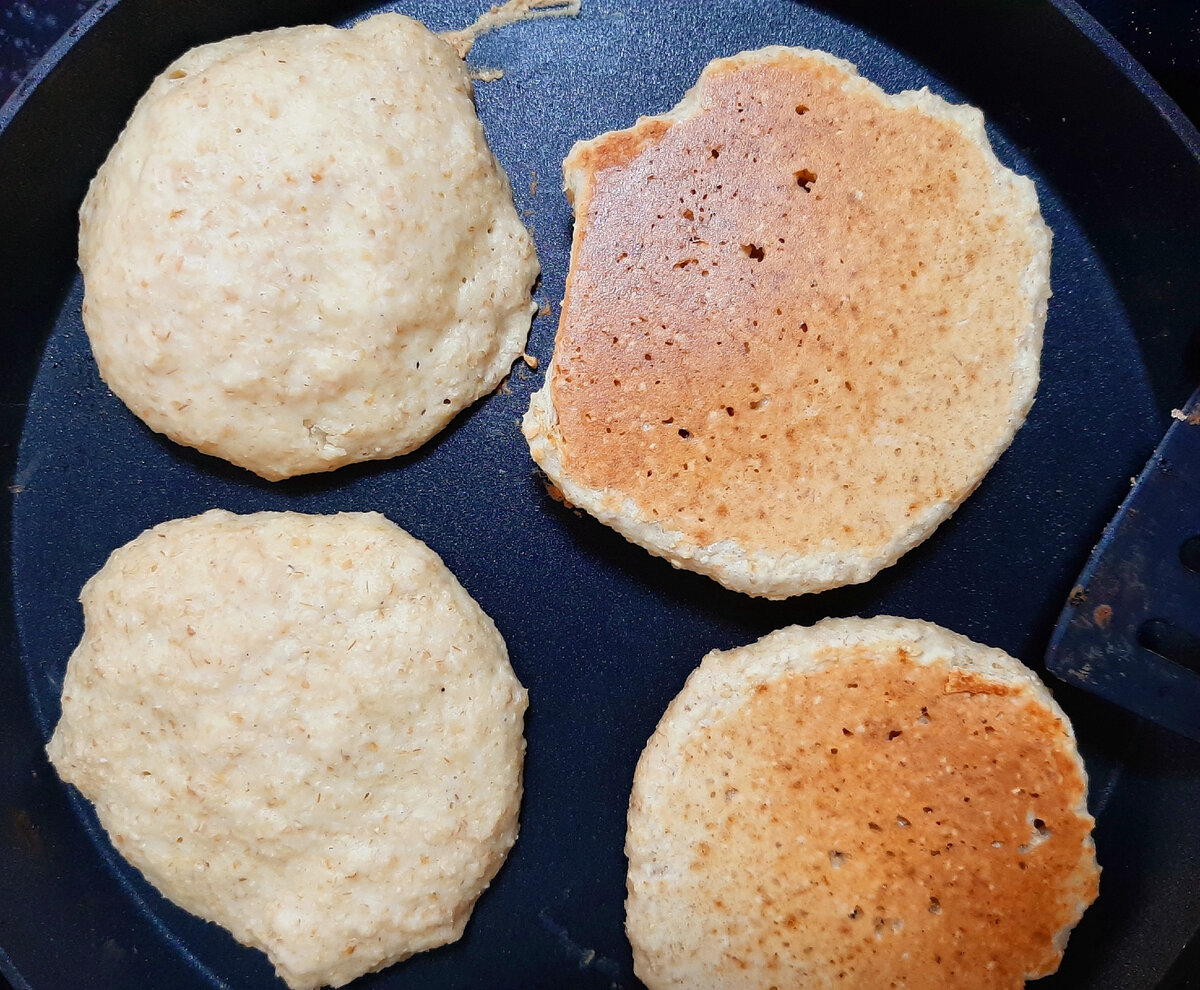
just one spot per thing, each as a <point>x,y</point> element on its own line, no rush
<point>1130,631</point>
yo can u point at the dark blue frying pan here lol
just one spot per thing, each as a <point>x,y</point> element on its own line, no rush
<point>602,634</point>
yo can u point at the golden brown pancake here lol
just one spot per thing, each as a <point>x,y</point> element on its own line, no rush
<point>859,804</point>
<point>803,318</point>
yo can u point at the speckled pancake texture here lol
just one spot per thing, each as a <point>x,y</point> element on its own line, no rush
<point>858,804</point>
<point>803,318</point>
<point>301,728</point>
<point>301,252</point>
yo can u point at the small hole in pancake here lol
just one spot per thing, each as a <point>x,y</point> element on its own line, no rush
<point>902,822</point>
<point>754,251</point>
<point>685,434</point>
<point>836,859</point>
<point>801,109</point>
<point>1040,834</point>
<point>805,179</point>
<point>935,906</point>
<point>894,733</point>
<point>715,153</point>
<point>729,410</point>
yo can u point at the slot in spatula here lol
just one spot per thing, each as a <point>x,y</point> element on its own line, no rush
<point>1130,631</point>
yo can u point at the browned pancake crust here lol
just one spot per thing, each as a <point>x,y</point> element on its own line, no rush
<point>780,307</point>
<point>938,857</point>
<point>883,823</point>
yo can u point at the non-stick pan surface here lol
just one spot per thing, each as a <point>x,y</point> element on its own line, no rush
<point>602,634</point>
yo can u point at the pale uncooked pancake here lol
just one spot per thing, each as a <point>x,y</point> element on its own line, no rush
<point>300,727</point>
<point>862,803</point>
<point>301,252</point>
<point>803,318</point>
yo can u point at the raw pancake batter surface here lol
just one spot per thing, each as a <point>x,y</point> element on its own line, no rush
<point>301,252</point>
<point>300,727</point>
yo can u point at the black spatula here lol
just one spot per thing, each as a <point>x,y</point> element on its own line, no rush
<point>1130,632</point>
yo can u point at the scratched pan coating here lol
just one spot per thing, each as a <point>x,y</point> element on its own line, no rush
<point>602,634</point>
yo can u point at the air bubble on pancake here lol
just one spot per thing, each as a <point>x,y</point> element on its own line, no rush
<point>1040,834</point>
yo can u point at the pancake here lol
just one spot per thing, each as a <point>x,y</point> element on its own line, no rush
<point>802,320</point>
<point>301,728</point>
<point>861,803</point>
<point>301,252</point>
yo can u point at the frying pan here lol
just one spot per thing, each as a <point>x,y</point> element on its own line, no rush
<point>602,634</point>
